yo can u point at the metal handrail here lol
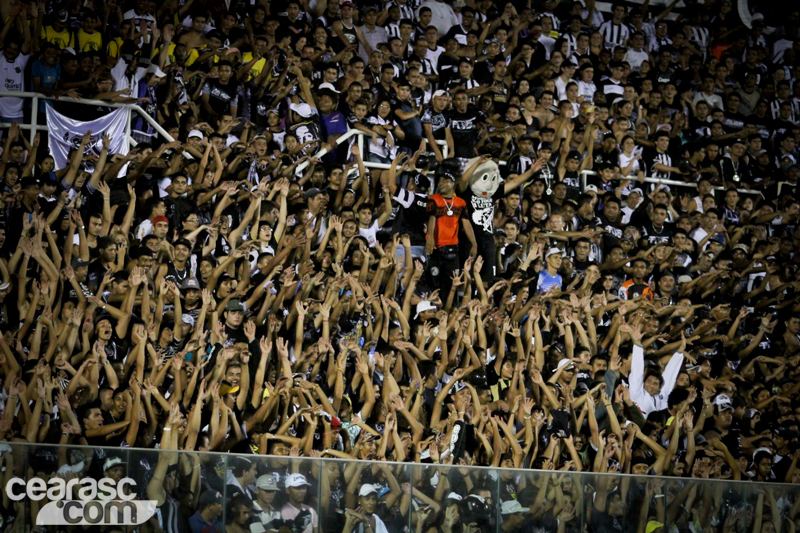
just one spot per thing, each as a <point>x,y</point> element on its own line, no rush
<point>361,135</point>
<point>33,127</point>
<point>672,183</point>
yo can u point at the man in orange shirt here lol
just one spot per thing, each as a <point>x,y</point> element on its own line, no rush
<point>446,210</point>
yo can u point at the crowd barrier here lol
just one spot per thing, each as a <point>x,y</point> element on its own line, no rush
<point>407,492</point>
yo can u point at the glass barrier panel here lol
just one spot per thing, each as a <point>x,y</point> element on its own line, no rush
<point>205,491</point>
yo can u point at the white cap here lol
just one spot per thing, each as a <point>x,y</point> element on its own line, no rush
<point>638,191</point>
<point>196,133</point>
<point>512,507</point>
<point>304,110</point>
<point>367,489</point>
<point>111,462</point>
<point>552,251</point>
<point>454,496</point>
<point>564,362</point>
<point>756,16</point>
<point>440,92</point>
<point>424,305</point>
<point>592,188</point>
<point>296,480</point>
<point>328,86</point>
<point>154,69</point>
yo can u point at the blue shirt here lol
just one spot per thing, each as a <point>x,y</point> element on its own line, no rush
<point>547,282</point>
<point>333,124</point>
<point>48,77</point>
<point>198,524</point>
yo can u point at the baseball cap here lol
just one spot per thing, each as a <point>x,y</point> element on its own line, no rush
<point>312,192</point>
<point>652,525</point>
<point>422,181</point>
<point>367,489</point>
<point>30,181</point>
<point>296,480</point>
<point>552,251</point>
<point>154,69</point>
<point>591,188</point>
<point>234,305</point>
<point>111,462</point>
<point>718,238</point>
<point>328,86</point>
<point>742,247</point>
<point>227,388</point>
<point>574,154</point>
<point>440,92</point>
<point>183,242</point>
<point>159,218</point>
<point>78,263</point>
<point>209,497</point>
<point>512,507</point>
<point>267,482</point>
<point>546,145</point>
<point>190,284</point>
<point>424,305</point>
<point>62,16</point>
<point>304,110</point>
<point>636,190</point>
<point>565,363</point>
<point>195,134</point>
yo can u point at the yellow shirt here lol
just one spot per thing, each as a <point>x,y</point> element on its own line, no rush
<point>63,39</point>
<point>112,48</point>
<point>255,68</point>
<point>193,55</point>
<point>89,42</point>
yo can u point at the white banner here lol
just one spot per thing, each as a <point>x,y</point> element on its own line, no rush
<point>64,135</point>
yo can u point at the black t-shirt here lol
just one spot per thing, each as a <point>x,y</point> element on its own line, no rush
<point>480,210</point>
<point>412,216</point>
<point>438,122</point>
<point>464,128</point>
<point>221,97</point>
<point>657,236</point>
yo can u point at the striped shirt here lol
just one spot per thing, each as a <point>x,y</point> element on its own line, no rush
<point>393,30</point>
<point>775,108</point>
<point>612,88</point>
<point>656,43</point>
<point>699,38</point>
<point>406,10</point>
<point>613,34</point>
<point>663,159</point>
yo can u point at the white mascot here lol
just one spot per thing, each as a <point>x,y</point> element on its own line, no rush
<point>484,188</point>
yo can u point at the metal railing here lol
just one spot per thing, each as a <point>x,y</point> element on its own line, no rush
<point>33,127</point>
<point>342,140</point>
<point>671,183</point>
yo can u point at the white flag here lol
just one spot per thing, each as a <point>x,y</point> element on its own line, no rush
<point>64,135</point>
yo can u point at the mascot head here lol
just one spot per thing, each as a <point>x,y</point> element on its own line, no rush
<point>485,180</point>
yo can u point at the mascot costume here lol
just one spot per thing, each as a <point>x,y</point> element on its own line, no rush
<point>480,186</point>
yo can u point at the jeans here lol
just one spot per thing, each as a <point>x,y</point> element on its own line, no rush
<point>442,264</point>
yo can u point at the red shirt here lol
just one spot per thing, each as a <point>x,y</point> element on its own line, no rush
<point>448,212</point>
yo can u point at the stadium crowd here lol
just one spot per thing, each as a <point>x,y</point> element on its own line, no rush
<point>511,286</point>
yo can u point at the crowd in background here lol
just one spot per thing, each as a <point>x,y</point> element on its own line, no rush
<point>511,286</point>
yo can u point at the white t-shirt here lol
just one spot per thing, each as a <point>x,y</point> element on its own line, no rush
<point>13,76</point>
<point>370,233</point>
<point>635,58</point>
